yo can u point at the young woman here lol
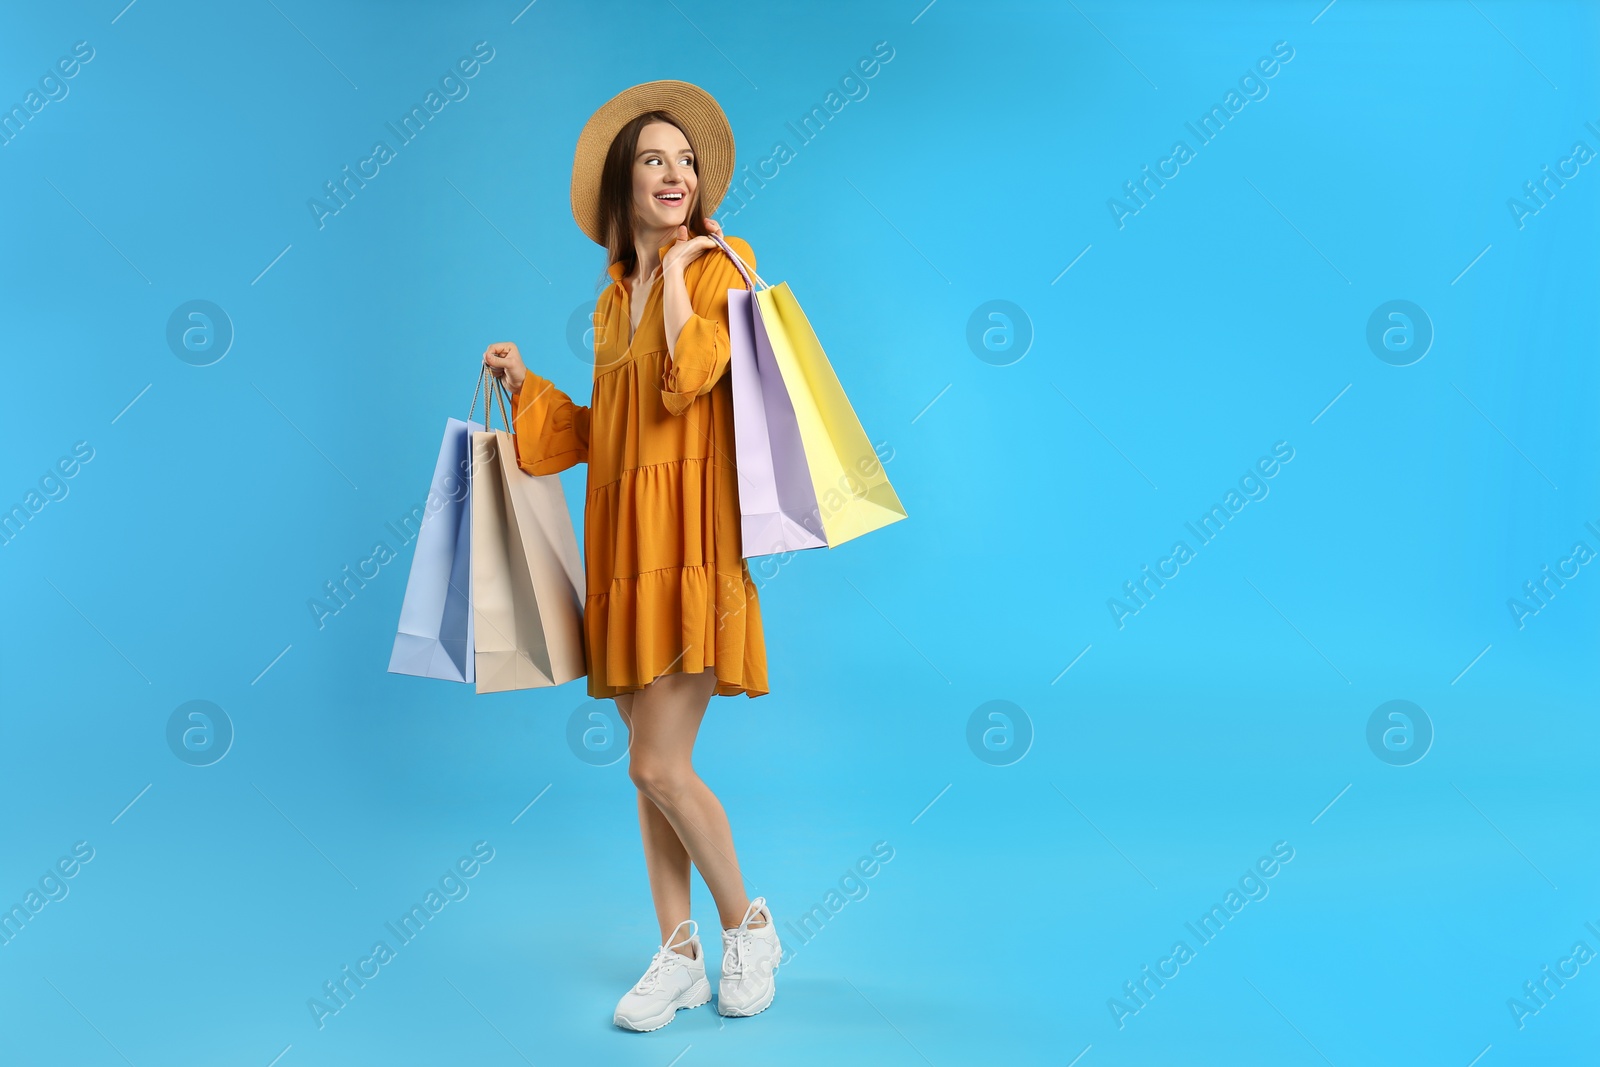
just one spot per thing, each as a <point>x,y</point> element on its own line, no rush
<point>671,616</point>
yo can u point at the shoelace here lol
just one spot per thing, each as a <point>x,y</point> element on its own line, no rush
<point>661,964</point>
<point>665,959</point>
<point>733,955</point>
<point>740,939</point>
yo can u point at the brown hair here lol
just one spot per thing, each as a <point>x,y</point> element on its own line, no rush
<point>616,192</point>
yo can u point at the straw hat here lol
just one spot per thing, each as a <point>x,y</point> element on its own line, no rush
<point>702,120</point>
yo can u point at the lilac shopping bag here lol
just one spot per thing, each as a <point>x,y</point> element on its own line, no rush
<point>435,638</point>
<point>777,502</point>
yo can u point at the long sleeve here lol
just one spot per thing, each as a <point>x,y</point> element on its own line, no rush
<point>551,432</point>
<point>700,354</point>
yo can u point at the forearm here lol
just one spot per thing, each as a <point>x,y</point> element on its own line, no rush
<point>697,337</point>
<point>675,307</point>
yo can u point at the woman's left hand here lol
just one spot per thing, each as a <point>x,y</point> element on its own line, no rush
<point>688,249</point>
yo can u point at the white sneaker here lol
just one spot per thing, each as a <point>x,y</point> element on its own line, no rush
<point>749,964</point>
<point>672,981</point>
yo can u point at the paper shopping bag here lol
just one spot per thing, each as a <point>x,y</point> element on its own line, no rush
<point>434,638</point>
<point>850,489</point>
<point>777,504</point>
<point>527,582</point>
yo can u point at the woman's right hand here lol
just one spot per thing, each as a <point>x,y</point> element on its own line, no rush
<point>505,363</point>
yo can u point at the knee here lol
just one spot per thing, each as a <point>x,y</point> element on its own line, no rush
<point>658,779</point>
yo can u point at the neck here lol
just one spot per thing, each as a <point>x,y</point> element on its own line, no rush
<point>647,248</point>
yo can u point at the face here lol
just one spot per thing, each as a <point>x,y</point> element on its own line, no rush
<point>664,180</point>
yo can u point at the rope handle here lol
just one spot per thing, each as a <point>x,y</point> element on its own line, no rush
<point>501,394</point>
<point>747,272</point>
<point>497,390</point>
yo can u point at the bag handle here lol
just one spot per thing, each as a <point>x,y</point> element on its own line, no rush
<point>497,389</point>
<point>501,394</point>
<point>737,262</point>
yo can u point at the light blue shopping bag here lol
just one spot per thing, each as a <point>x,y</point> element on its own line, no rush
<point>434,639</point>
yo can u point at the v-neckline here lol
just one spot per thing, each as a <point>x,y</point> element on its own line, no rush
<point>627,293</point>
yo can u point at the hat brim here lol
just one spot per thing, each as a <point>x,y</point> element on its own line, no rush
<point>702,119</point>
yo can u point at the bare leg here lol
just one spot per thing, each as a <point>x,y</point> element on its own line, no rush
<point>663,719</point>
<point>665,858</point>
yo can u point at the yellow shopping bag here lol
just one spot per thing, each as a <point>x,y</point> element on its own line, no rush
<point>853,491</point>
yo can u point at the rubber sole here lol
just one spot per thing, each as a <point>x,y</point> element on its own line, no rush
<point>693,997</point>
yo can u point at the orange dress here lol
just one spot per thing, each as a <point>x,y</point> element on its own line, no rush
<point>668,587</point>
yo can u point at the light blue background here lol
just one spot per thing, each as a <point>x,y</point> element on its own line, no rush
<point>1227,715</point>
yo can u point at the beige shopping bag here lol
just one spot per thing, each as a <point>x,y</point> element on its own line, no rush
<point>527,575</point>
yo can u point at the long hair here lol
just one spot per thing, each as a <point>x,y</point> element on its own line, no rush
<point>616,192</point>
